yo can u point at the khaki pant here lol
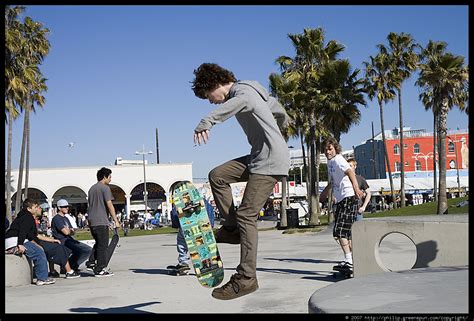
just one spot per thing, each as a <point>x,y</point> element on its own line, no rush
<point>257,191</point>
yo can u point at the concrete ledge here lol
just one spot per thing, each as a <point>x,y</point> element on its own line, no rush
<point>440,240</point>
<point>427,290</point>
<point>18,270</point>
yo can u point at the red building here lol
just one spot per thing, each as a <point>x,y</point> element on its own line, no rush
<point>418,151</point>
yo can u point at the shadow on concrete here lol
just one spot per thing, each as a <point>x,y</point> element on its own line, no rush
<point>436,269</point>
<point>426,252</point>
<point>299,260</point>
<point>302,272</point>
<point>151,271</point>
<point>126,309</point>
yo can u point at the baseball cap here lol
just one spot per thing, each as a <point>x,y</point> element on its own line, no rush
<point>62,203</point>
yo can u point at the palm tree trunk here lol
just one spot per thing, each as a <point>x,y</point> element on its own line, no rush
<point>402,157</point>
<point>27,161</point>
<point>442,199</point>
<point>435,149</point>
<point>8,181</point>
<point>314,218</point>
<point>304,158</point>
<point>312,177</point>
<point>283,205</point>
<point>19,191</point>
<point>386,154</point>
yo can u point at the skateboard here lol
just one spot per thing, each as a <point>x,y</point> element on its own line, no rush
<point>174,271</point>
<point>198,234</point>
<point>112,245</point>
<point>346,273</point>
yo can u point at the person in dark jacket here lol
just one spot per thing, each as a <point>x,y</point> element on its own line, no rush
<point>23,234</point>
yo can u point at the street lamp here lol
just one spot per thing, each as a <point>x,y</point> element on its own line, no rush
<point>457,164</point>
<point>145,193</point>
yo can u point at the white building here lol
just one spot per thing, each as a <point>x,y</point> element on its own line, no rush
<point>73,183</point>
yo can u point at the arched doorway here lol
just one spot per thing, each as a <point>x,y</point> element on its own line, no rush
<point>156,196</point>
<point>75,196</point>
<point>119,200</point>
<point>33,193</point>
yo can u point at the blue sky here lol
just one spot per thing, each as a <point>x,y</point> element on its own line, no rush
<point>115,73</point>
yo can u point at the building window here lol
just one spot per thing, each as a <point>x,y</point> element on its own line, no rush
<point>397,166</point>
<point>406,164</point>
<point>416,149</point>
<point>450,147</point>
<point>396,149</point>
<point>417,166</point>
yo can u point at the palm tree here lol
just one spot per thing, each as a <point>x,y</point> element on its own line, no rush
<point>305,68</point>
<point>284,90</point>
<point>380,84</point>
<point>433,50</point>
<point>14,86</point>
<point>33,47</point>
<point>446,77</point>
<point>404,62</point>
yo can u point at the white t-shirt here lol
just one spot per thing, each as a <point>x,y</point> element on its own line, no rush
<point>72,220</point>
<point>341,184</point>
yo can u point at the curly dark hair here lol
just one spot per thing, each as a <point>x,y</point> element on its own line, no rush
<point>208,76</point>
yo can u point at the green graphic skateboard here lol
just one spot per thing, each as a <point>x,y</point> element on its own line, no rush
<point>198,234</point>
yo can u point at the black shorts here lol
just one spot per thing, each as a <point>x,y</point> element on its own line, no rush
<point>344,216</point>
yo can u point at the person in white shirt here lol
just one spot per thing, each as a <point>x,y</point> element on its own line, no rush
<point>347,194</point>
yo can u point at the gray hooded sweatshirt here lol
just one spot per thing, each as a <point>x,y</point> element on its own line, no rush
<point>261,117</point>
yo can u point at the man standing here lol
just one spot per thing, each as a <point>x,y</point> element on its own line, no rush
<point>261,117</point>
<point>63,230</point>
<point>100,204</point>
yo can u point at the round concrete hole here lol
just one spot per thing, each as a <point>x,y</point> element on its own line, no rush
<point>397,252</point>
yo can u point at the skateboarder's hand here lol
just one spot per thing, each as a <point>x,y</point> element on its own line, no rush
<point>199,137</point>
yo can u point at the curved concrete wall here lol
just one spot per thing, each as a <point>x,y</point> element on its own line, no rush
<point>440,240</point>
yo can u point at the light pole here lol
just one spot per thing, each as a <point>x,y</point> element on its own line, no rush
<point>457,164</point>
<point>145,193</point>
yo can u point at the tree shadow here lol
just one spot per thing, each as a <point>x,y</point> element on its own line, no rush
<point>151,271</point>
<point>117,310</point>
<point>315,261</point>
<point>309,275</point>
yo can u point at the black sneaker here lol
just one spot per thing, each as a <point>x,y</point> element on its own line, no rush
<point>53,274</point>
<point>103,273</point>
<point>90,266</point>
<point>182,267</point>
<point>72,275</point>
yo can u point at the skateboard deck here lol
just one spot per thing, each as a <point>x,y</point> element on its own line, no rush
<point>344,272</point>
<point>198,234</point>
<point>112,245</point>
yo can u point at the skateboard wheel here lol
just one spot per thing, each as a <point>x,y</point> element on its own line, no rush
<point>201,202</point>
<point>219,264</point>
<point>180,210</point>
<point>198,272</point>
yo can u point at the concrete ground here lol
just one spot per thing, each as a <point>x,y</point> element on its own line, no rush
<point>290,268</point>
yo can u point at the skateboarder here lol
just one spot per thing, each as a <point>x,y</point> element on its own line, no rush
<point>261,117</point>
<point>181,246</point>
<point>347,193</point>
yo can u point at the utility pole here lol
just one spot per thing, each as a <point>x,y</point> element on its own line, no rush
<point>157,148</point>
